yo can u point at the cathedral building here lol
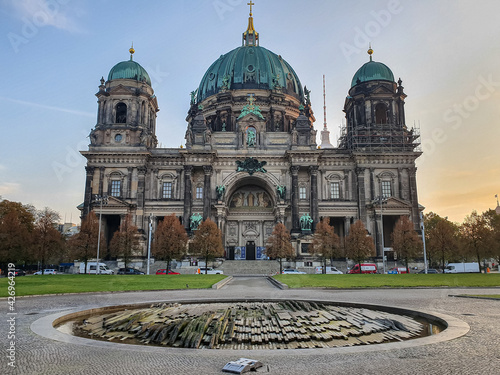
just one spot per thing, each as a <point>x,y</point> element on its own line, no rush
<point>251,159</point>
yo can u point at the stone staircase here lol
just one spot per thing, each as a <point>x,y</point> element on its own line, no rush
<point>250,267</point>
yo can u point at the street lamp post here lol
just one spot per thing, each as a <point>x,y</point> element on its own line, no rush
<point>149,241</point>
<point>381,199</point>
<point>422,226</point>
<point>100,199</point>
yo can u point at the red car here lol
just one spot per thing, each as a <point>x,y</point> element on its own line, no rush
<point>164,272</point>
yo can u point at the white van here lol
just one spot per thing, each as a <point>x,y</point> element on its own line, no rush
<point>329,270</point>
<point>91,268</point>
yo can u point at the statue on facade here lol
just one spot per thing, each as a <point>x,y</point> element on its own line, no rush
<point>195,221</point>
<point>306,222</point>
<point>220,190</point>
<point>251,138</point>
<point>225,83</point>
<point>193,96</point>
<point>281,189</point>
<point>223,126</point>
<point>308,95</point>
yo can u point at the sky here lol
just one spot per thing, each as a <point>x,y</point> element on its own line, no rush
<point>54,52</point>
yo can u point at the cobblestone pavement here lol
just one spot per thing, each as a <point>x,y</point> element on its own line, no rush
<point>475,353</point>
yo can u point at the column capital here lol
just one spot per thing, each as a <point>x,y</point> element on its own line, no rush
<point>188,169</point>
<point>208,169</point>
<point>313,170</point>
<point>295,170</point>
<point>90,170</point>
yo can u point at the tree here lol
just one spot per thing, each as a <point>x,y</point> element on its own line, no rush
<point>83,245</point>
<point>493,222</point>
<point>442,238</point>
<point>170,240</point>
<point>207,242</point>
<point>358,244</point>
<point>477,236</point>
<point>279,244</point>
<point>405,240</point>
<point>16,229</point>
<point>125,242</point>
<point>326,244</point>
<point>48,243</point>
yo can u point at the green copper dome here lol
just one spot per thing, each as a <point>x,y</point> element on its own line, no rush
<point>129,70</point>
<point>250,67</point>
<point>372,71</point>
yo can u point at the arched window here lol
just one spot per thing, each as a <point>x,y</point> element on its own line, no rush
<point>381,113</point>
<point>121,113</point>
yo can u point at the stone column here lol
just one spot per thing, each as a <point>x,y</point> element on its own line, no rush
<point>353,188</point>
<point>360,173</point>
<point>188,195</point>
<point>207,191</point>
<point>372,184</point>
<point>400,183</point>
<point>88,191</point>
<point>313,171</point>
<point>101,180</point>
<point>129,182</point>
<point>415,214</point>
<point>295,198</point>
<point>154,181</point>
<point>141,187</point>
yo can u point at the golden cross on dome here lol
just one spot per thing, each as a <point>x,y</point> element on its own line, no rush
<point>250,3</point>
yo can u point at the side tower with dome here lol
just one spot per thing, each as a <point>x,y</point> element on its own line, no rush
<point>251,159</point>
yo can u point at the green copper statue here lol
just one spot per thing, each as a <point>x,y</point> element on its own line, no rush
<point>220,190</point>
<point>306,222</point>
<point>251,138</point>
<point>195,221</point>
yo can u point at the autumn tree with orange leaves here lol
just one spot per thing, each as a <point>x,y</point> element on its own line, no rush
<point>207,242</point>
<point>279,244</point>
<point>170,240</point>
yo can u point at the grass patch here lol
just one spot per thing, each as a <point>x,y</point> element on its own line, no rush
<point>390,281</point>
<point>56,284</point>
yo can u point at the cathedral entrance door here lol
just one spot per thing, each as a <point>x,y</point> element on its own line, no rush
<point>250,250</point>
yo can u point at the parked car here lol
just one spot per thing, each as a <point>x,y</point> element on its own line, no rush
<point>19,272</point>
<point>46,272</point>
<point>329,270</point>
<point>92,268</point>
<point>209,271</point>
<point>164,272</point>
<point>397,270</point>
<point>365,268</point>
<point>291,271</point>
<point>430,270</point>
<point>129,271</point>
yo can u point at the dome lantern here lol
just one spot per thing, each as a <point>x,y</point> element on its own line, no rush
<point>250,36</point>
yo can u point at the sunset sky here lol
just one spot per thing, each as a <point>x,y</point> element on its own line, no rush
<point>54,53</point>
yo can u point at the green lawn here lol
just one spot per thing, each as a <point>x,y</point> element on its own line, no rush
<point>49,284</point>
<point>389,281</point>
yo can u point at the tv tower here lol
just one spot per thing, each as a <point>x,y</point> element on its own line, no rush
<point>325,134</point>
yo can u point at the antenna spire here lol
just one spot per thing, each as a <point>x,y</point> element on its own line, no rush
<point>324,100</point>
<point>325,134</point>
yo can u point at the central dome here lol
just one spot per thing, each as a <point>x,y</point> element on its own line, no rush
<point>250,67</point>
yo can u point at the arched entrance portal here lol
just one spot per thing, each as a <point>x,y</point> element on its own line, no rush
<point>250,220</point>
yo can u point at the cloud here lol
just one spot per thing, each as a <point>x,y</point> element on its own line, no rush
<point>52,108</point>
<point>46,13</point>
<point>9,188</point>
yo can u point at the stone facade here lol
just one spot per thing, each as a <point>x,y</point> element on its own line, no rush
<point>251,160</point>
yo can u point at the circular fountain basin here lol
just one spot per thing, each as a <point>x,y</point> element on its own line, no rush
<point>250,325</point>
